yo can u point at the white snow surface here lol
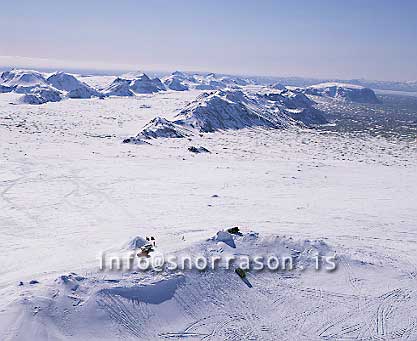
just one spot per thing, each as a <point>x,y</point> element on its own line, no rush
<point>70,189</point>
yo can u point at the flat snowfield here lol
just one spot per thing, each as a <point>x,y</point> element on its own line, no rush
<point>70,189</point>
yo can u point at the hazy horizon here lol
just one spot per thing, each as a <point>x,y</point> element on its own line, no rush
<point>375,40</point>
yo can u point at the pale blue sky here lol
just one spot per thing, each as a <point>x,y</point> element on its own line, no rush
<point>342,39</point>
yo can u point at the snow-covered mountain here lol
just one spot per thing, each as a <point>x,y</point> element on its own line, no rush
<point>232,110</point>
<point>71,85</point>
<point>181,81</point>
<point>182,76</point>
<point>142,84</point>
<point>213,82</point>
<point>291,99</point>
<point>174,83</point>
<point>119,87</point>
<point>222,110</point>
<point>297,106</point>
<point>159,128</point>
<point>134,83</point>
<point>22,81</point>
<point>344,91</point>
<point>23,78</point>
<point>39,89</point>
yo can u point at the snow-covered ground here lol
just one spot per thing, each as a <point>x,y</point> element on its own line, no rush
<point>70,189</point>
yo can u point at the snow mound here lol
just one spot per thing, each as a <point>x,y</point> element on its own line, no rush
<point>198,150</point>
<point>41,95</point>
<point>160,127</point>
<point>70,281</point>
<point>135,243</point>
<point>343,91</point>
<point>119,87</point>
<point>225,237</point>
<point>173,303</point>
<point>142,84</point>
